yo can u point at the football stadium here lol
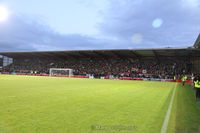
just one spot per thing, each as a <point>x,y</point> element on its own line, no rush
<point>100,91</point>
<point>107,66</point>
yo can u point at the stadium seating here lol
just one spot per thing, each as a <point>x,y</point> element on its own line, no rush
<point>103,67</point>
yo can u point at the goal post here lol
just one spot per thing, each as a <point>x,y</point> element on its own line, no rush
<point>60,72</point>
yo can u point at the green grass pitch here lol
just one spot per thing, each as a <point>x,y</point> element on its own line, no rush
<point>63,105</point>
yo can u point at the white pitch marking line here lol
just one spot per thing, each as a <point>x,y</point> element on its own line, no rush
<point>166,120</point>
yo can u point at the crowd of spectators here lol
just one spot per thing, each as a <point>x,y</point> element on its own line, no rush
<point>98,67</point>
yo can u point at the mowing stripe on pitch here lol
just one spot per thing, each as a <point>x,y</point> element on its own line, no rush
<point>166,120</point>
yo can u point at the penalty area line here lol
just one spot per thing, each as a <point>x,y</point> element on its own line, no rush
<point>167,116</point>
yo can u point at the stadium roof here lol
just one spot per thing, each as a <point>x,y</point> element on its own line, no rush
<point>197,43</point>
<point>123,53</point>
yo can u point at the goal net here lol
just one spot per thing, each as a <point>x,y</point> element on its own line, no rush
<point>60,72</point>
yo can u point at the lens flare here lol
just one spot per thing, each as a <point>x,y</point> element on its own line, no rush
<point>137,38</point>
<point>157,23</point>
<point>3,13</point>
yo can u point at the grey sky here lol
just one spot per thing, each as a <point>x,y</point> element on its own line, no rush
<point>107,24</point>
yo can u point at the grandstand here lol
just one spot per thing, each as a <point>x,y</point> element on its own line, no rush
<point>87,61</point>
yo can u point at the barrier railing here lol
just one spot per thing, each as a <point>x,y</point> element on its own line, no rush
<point>121,78</point>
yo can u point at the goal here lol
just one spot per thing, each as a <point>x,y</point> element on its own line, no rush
<point>61,72</point>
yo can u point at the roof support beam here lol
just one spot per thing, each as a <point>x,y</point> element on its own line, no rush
<point>156,55</point>
<point>84,55</point>
<point>136,54</point>
<point>118,55</point>
<point>99,54</point>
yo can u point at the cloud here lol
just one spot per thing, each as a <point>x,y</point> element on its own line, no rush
<point>126,24</point>
<point>25,33</point>
<point>180,22</point>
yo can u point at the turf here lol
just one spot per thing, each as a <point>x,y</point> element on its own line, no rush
<point>185,116</point>
<point>62,105</point>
